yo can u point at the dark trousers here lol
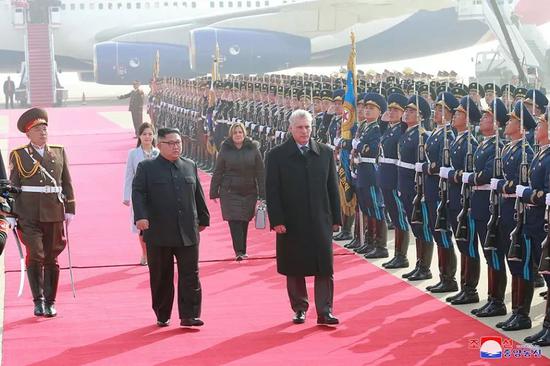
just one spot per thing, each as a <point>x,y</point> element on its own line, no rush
<point>161,277</point>
<point>239,232</point>
<point>324,293</point>
<point>44,241</point>
<point>9,100</point>
<point>137,119</point>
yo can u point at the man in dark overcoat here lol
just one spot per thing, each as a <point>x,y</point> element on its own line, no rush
<point>137,97</point>
<point>170,210</point>
<point>304,209</point>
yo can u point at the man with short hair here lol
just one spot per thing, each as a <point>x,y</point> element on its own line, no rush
<point>170,209</point>
<point>304,210</point>
<point>136,105</point>
<point>9,92</point>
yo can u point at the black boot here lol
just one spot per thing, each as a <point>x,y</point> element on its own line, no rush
<point>447,270</point>
<point>543,337</point>
<point>345,233</point>
<point>381,241</point>
<point>35,275</point>
<point>401,246</point>
<point>463,259</point>
<point>356,241</point>
<point>497,285</point>
<point>424,262</point>
<point>51,279</point>
<point>370,236</point>
<point>418,244</point>
<point>515,302</point>
<point>525,296</point>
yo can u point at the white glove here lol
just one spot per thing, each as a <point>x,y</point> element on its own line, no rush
<point>11,221</point>
<point>547,199</point>
<point>520,189</point>
<point>418,167</point>
<point>69,217</point>
<point>494,183</point>
<point>466,177</point>
<point>353,175</point>
<point>354,143</point>
<point>444,172</point>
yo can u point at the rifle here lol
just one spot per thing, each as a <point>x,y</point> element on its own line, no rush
<point>515,253</point>
<point>442,219</point>
<point>490,242</point>
<point>462,231</point>
<point>417,216</point>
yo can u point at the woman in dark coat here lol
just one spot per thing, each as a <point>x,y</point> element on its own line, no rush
<point>238,180</point>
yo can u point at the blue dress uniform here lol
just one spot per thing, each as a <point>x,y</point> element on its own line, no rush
<point>434,152</point>
<point>459,151</point>
<point>480,181</point>
<point>406,185</point>
<point>368,193</point>
<point>387,175</point>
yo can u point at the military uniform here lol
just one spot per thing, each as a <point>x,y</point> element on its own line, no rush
<point>47,195</point>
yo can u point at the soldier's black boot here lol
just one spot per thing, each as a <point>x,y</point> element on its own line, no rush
<point>515,301</point>
<point>35,275</point>
<point>401,246</point>
<point>424,272</point>
<point>471,279</point>
<point>525,296</point>
<point>462,279</point>
<point>370,237</point>
<point>498,287</point>
<point>447,268</point>
<point>542,338</point>
<point>51,279</point>
<point>418,244</point>
<point>356,241</point>
<point>381,241</point>
<point>345,233</point>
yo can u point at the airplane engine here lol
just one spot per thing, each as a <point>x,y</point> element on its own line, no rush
<point>247,51</point>
<point>120,63</point>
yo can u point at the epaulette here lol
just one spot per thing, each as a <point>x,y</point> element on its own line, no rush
<point>20,147</point>
<point>57,146</point>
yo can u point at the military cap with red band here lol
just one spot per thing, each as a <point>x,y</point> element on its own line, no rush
<point>31,118</point>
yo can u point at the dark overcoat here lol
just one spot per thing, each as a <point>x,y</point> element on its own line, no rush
<point>170,196</point>
<point>302,194</point>
<point>238,180</point>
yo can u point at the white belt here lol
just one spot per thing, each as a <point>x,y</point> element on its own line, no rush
<point>509,195</point>
<point>485,187</point>
<point>402,164</point>
<point>388,161</point>
<point>367,160</point>
<point>42,189</point>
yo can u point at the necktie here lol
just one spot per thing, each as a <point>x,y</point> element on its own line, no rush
<point>304,149</point>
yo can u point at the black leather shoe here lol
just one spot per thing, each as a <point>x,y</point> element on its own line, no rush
<point>377,252</point>
<point>495,308</point>
<point>352,243</point>
<point>507,321</point>
<point>299,317</point>
<point>364,249</point>
<point>342,236</point>
<point>39,309</point>
<point>429,288</point>
<point>49,311</point>
<point>390,262</point>
<point>520,322</point>
<point>534,337</point>
<point>191,322</point>
<point>544,339</point>
<point>468,297</point>
<point>445,286</point>
<point>474,311</point>
<point>399,262</point>
<point>163,323</point>
<point>410,273</point>
<point>421,274</point>
<point>327,319</point>
<point>455,296</point>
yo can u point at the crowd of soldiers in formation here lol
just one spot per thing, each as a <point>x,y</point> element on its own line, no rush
<point>464,166</point>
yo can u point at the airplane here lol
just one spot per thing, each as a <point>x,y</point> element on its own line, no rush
<point>115,41</point>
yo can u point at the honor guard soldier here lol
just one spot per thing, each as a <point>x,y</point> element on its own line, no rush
<point>368,194</point>
<point>542,337</point>
<point>417,112</point>
<point>479,180</point>
<point>466,116</point>
<point>387,174</point>
<point>532,234</point>
<point>446,103</point>
<point>46,201</point>
<point>513,156</point>
<point>492,91</point>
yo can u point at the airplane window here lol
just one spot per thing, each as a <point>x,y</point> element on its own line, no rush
<point>211,4</point>
<point>110,6</point>
<point>193,4</point>
<point>63,6</point>
<point>239,4</point>
<point>92,6</point>
<point>175,4</point>
<point>257,4</point>
<point>266,3</point>
<point>185,4</point>
<point>157,4</point>
<point>73,6</point>
<point>230,4</point>
<point>221,4</point>
<point>147,5</point>
<point>82,6</point>
<point>129,5</point>
<point>138,5</point>
<point>100,6</point>
<point>166,4</point>
<point>248,4</point>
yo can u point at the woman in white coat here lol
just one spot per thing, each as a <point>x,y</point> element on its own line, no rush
<point>145,150</point>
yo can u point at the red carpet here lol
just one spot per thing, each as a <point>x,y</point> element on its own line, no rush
<point>384,320</point>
